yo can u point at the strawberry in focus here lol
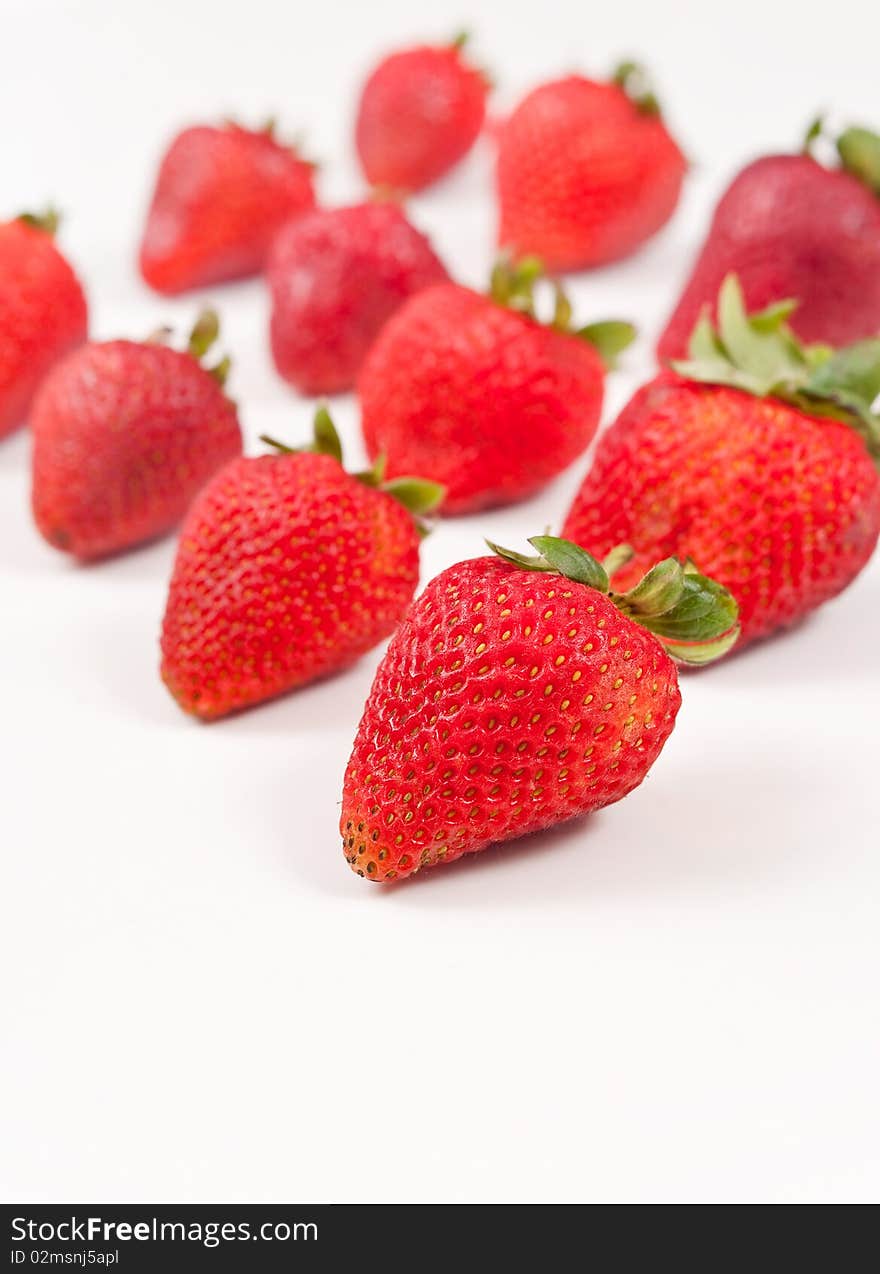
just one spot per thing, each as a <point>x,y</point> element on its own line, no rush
<point>336,275</point>
<point>586,171</point>
<point>520,692</point>
<point>420,112</point>
<point>125,433</point>
<point>43,312</point>
<point>788,226</point>
<point>221,195</point>
<point>756,457</point>
<point>288,569</point>
<point>474,390</point>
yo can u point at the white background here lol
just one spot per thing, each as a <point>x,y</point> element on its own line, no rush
<point>675,1000</point>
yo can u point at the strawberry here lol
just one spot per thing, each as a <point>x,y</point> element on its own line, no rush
<point>475,391</point>
<point>520,692</point>
<point>336,275</point>
<point>288,569</point>
<point>42,312</point>
<point>220,196</point>
<point>420,112</point>
<point>787,226</point>
<point>752,458</point>
<point>587,171</point>
<point>125,433</point>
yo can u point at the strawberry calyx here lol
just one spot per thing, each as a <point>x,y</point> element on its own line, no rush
<point>419,496</point>
<point>759,354</point>
<point>694,617</point>
<point>858,150</point>
<point>512,285</point>
<point>636,83</point>
<point>48,220</point>
<point>201,339</point>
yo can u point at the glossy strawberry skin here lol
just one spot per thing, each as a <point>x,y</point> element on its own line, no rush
<point>220,197</point>
<point>584,177</point>
<point>478,397</point>
<point>790,228</point>
<point>336,276</point>
<point>508,701</point>
<point>288,569</point>
<point>43,315</point>
<point>782,508</point>
<point>420,112</point>
<point>124,436</point>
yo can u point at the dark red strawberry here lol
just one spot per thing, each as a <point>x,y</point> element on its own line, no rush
<point>787,226</point>
<point>336,275</point>
<point>587,171</point>
<point>518,693</point>
<point>125,433</point>
<point>475,391</point>
<point>221,195</point>
<point>420,112</point>
<point>288,569</point>
<point>753,460</point>
<point>42,312</point>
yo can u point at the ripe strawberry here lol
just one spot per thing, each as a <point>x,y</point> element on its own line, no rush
<point>586,171</point>
<point>475,391</point>
<point>336,275</point>
<point>750,460</point>
<point>125,433</point>
<point>42,312</point>
<point>517,693</point>
<point>420,112</point>
<point>787,226</point>
<point>220,196</point>
<point>288,569</point>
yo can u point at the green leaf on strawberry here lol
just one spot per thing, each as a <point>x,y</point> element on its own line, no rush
<point>694,617</point>
<point>760,355</point>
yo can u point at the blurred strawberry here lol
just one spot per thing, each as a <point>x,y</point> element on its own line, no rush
<point>477,393</point>
<point>42,312</point>
<point>336,275</point>
<point>420,112</point>
<point>787,226</point>
<point>587,171</point>
<point>220,196</point>
<point>125,433</point>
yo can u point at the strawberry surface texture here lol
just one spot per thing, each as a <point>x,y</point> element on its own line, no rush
<point>288,568</point>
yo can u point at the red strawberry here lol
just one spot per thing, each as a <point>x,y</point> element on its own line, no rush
<point>221,195</point>
<point>586,171</point>
<point>336,275</point>
<point>125,433</point>
<point>42,312</point>
<point>787,226</point>
<point>288,569</point>
<point>475,391</point>
<point>518,693</point>
<point>749,460</point>
<point>420,112</point>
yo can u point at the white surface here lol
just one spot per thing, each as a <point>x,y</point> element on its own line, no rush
<point>675,1000</point>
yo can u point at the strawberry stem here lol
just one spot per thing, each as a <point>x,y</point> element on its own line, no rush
<point>418,496</point>
<point>512,285</point>
<point>694,617</point>
<point>760,355</point>
<point>48,220</point>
